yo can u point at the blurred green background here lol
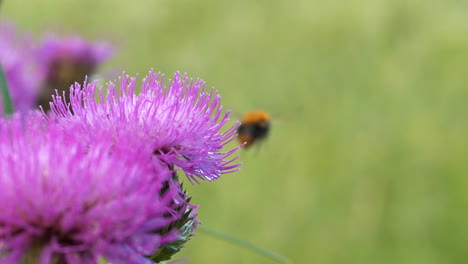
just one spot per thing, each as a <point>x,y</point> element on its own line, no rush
<point>367,160</point>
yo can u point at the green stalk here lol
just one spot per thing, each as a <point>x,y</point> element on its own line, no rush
<point>7,103</point>
<point>264,252</point>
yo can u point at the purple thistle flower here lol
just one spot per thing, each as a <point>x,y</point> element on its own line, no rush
<point>18,60</point>
<point>66,202</point>
<point>67,60</point>
<point>180,122</point>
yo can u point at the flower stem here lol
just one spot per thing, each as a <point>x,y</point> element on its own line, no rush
<point>264,252</point>
<point>7,103</point>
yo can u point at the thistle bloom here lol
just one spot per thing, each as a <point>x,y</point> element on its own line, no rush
<point>22,71</point>
<point>180,122</point>
<point>67,60</point>
<point>66,202</point>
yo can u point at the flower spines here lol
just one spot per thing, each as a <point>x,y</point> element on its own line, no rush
<point>183,225</point>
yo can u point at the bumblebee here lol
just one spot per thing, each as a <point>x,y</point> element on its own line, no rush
<point>254,128</point>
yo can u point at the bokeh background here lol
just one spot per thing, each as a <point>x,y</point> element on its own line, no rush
<point>367,160</point>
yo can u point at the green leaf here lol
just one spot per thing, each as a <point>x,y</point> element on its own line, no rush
<point>7,102</point>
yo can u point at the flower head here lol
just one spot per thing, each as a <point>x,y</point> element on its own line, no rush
<point>181,122</point>
<point>67,60</point>
<point>66,202</point>
<point>18,60</point>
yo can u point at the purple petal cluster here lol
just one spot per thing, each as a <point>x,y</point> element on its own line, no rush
<point>181,122</point>
<point>66,201</point>
<point>18,59</point>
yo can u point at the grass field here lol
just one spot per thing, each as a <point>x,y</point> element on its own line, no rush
<point>367,161</point>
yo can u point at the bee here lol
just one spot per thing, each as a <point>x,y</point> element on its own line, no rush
<point>254,128</point>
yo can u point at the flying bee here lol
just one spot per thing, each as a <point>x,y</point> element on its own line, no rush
<point>254,128</point>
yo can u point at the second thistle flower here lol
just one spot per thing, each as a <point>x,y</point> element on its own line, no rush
<point>67,60</point>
